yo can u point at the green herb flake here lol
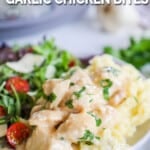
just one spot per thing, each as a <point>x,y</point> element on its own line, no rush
<point>62,138</point>
<point>72,84</point>
<point>136,99</point>
<point>106,93</point>
<point>69,104</point>
<point>72,72</point>
<point>97,137</point>
<point>91,100</point>
<point>97,120</point>
<point>52,97</point>
<point>78,94</point>
<point>106,84</point>
<point>88,137</point>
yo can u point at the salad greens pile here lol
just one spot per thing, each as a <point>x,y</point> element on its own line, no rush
<point>18,105</point>
<point>137,53</point>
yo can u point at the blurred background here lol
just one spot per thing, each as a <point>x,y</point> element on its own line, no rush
<point>82,29</point>
<point>74,24</point>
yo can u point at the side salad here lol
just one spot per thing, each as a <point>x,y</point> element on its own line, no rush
<point>23,71</point>
<point>137,54</point>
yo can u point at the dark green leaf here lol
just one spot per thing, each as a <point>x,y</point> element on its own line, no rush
<point>52,97</point>
<point>69,104</point>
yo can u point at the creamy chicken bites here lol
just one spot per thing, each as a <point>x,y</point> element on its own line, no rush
<point>96,108</point>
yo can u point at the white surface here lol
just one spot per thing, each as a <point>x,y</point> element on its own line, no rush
<point>85,38</point>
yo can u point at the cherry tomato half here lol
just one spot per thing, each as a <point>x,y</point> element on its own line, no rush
<point>20,85</point>
<point>17,133</point>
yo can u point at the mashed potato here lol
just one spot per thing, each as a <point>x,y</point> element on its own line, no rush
<point>96,108</point>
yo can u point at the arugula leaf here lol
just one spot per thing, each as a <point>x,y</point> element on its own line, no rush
<point>14,105</point>
<point>106,83</point>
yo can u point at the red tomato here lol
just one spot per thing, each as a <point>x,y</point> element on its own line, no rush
<point>72,63</point>
<point>30,50</point>
<point>2,111</point>
<point>18,83</point>
<point>17,133</point>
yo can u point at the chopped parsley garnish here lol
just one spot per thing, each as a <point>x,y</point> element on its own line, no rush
<point>106,84</point>
<point>97,120</point>
<point>90,101</point>
<point>135,99</point>
<point>52,97</point>
<point>69,73</point>
<point>69,104</point>
<point>97,137</point>
<point>106,93</point>
<point>62,138</point>
<point>72,84</point>
<point>78,94</point>
<point>88,137</point>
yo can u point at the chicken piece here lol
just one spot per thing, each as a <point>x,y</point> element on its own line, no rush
<point>60,144</point>
<point>80,77</point>
<point>45,122</point>
<point>40,104</point>
<point>117,98</point>
<point>49,85</point>
<point>46,143</point>
<point>60,91</point>
<point>75,126</point>
<point>39,140</point>
<point>108,115</point>
<point>47,118</point>
<point>59,88</point>
<point>36,108</point>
